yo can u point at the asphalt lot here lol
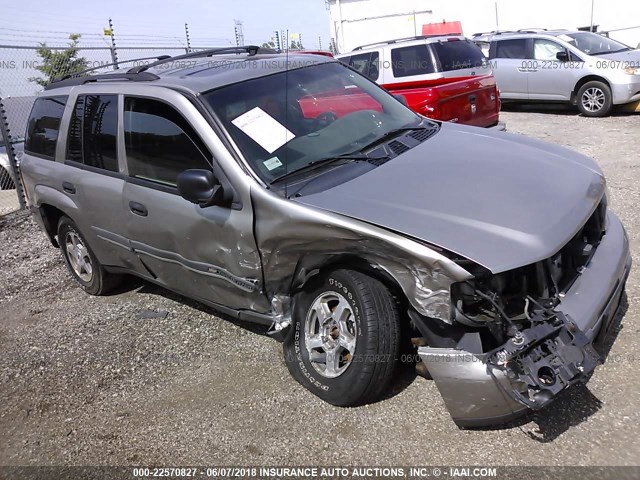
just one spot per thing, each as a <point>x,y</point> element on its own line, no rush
<point>84,380</point>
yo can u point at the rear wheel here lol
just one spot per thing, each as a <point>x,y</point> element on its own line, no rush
<point>81,261</point>
<point>595,99</point>
<point>345,339</point>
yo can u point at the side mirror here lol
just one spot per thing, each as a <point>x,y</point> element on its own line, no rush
<point>563,56</point>
<point>401,99</point>
<point>201,187</point>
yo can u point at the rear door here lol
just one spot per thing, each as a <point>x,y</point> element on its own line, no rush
<point>92,177</point>
<point>205,253</point>
<point>511,61</point>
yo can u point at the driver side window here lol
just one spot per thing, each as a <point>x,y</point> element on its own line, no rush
<point>160,144</point>
<point>546,50</point>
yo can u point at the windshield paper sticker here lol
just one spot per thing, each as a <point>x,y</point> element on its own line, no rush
<point>272,163</point>
<point>263,129</point>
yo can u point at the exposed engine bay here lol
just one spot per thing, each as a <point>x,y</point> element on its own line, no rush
<point>510,320</point>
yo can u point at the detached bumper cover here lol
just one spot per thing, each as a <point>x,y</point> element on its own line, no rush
<point>479,389</point>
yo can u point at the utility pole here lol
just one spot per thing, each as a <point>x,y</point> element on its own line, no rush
<point>186,32</point>
<point>239,33</point>
<point>114,54</point>
<point>278,46</point>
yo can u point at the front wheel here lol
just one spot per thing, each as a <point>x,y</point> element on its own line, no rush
<point>345,339</point>
<point>595,99</point>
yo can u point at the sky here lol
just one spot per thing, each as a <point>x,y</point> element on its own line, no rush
<point>150,22</point>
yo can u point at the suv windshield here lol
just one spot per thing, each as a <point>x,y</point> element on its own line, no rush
<point>594,44</point>
<point>285,121</point>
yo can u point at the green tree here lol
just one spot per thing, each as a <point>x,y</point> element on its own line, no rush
<point>269,44</point>
<point>56,63</point>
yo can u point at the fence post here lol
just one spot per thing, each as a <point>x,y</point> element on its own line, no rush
<point>114,53</point>
<point>5,133</point>
<point>186,31</point>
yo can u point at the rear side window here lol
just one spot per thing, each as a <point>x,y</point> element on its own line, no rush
<point>160,143</point>
<point>511,49</point>
<point>408,61</point>
<point>93,132</point>
<point>458,54</point>
<point>367,64</point>
<point>44,125</point>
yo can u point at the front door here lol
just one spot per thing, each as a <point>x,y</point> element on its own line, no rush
<point>549,78</point>
<point>205,253</point>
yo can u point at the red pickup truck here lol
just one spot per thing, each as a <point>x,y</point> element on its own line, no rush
<point>441,77</point>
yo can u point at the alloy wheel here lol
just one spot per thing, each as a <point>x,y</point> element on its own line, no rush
<point>79,258</point>
<point>330,334</point>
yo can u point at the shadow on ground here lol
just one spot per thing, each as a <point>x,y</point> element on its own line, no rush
<point>557,108</point>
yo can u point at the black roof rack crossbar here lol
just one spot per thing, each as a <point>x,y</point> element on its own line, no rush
<point>407,39</point>
<point>114,64</point>
<point>134,77</point>
<point>250,49</point>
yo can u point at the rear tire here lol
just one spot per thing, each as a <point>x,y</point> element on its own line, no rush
<point>345,338</point>
<point>595,99</point>
<point>81,261</point>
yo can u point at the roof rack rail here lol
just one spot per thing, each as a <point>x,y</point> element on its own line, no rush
<point>250,49</point>
<point>407,39</point>
<point>492,32</point>
<point>114,64</point>
<point>531,30</point>
<point>73,81</point>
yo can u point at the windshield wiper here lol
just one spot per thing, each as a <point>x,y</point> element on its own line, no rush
<point>606,52</point>
<point>352,157</point>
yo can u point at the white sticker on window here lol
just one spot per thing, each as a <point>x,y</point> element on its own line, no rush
<point>272,163</point>
<point>265,130</point>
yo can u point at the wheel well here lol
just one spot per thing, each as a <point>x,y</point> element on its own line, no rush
<point>352,262</point>
<point>582,81</point>
<point>50,218</point>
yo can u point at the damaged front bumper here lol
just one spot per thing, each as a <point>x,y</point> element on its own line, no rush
<point>484,389</point>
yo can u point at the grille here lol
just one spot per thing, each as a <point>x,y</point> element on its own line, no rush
<point>567,264</point>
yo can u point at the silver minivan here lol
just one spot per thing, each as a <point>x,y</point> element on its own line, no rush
<point>586,69</point>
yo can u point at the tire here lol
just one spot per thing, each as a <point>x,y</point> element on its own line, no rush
<point>595,99</point>
<point>84,266</point>
<point>6,181</point>
<point>362,372</point>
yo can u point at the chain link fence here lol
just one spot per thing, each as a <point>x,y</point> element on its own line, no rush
<point>23,73</point>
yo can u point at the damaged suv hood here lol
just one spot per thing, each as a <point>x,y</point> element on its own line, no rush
<point>499,199</point>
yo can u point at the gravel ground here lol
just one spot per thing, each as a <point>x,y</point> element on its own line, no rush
<point>85,381</point>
